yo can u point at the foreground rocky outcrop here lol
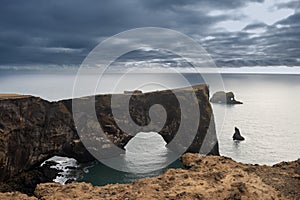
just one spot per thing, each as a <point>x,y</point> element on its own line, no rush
<point>33,130</point>
<point>224,98</point>
<point>210,177</point>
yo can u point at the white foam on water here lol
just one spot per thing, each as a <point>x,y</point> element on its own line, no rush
<point>63,163</point>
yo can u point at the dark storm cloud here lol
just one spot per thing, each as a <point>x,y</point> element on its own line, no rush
<point>278,44</point>
<point>291,4</point>
<point>255,26</point>
<point>29,28</point>
<point>40,32</point>
<point>220,4</point>
<point>291,21</point>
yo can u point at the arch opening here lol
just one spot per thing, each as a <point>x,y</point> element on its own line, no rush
<point>145,152</point>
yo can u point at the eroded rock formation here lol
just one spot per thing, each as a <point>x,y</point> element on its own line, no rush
<point>33,130</point>
<point>224,98</point>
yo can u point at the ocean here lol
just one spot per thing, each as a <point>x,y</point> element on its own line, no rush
<point>268,119</point>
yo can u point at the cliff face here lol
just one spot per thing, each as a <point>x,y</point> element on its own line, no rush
<point>33,130</point>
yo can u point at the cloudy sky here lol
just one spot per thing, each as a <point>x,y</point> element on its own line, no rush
<point>234,32</point>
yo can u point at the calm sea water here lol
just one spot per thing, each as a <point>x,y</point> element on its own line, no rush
<point>268,119</point>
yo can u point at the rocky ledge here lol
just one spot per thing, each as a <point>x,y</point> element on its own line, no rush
<point>33,130</point>
<point>209,177</point>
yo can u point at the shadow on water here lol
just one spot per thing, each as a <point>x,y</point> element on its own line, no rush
<point>236,148</point>
<point>144,153</point>
<point>99,174</point>
<point>236,144</point>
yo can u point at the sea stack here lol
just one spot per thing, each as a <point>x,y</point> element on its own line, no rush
<point>224,98</point>
<point>237,135</point>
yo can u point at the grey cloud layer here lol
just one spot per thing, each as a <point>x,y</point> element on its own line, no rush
<point>40,32</point>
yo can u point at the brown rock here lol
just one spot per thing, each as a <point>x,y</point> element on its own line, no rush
<point>15,195</point>
<point>201,184</point>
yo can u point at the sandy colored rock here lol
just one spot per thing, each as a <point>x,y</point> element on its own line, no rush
<point>210,177</point>
<point>13,96</point>
<point>15,196</point>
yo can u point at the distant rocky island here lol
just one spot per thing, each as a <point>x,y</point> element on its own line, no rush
<point>224,98</point>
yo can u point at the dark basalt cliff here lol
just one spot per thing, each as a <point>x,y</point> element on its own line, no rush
<point>33,130</point>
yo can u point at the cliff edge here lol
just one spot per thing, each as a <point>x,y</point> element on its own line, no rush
<point>33,130</point>
<point>209,177</point>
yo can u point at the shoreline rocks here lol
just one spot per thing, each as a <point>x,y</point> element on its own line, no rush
<point>207,177</point>
<point>26,181</point>
<point>224,98</point>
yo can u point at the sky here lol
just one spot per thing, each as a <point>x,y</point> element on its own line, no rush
<point>236,33</point>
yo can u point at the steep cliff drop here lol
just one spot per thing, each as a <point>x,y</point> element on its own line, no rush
<point>33,130</point>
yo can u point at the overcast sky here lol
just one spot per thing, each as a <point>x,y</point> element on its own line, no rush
<point>234,32</point>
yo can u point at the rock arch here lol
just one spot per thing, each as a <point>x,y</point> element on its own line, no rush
<point>33,130</point>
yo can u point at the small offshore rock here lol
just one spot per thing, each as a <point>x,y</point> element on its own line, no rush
<point>224,98</point>
<point>237,135</point>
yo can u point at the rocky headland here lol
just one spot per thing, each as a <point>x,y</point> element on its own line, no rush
<point>32,130</point>
<point>205,177</point>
